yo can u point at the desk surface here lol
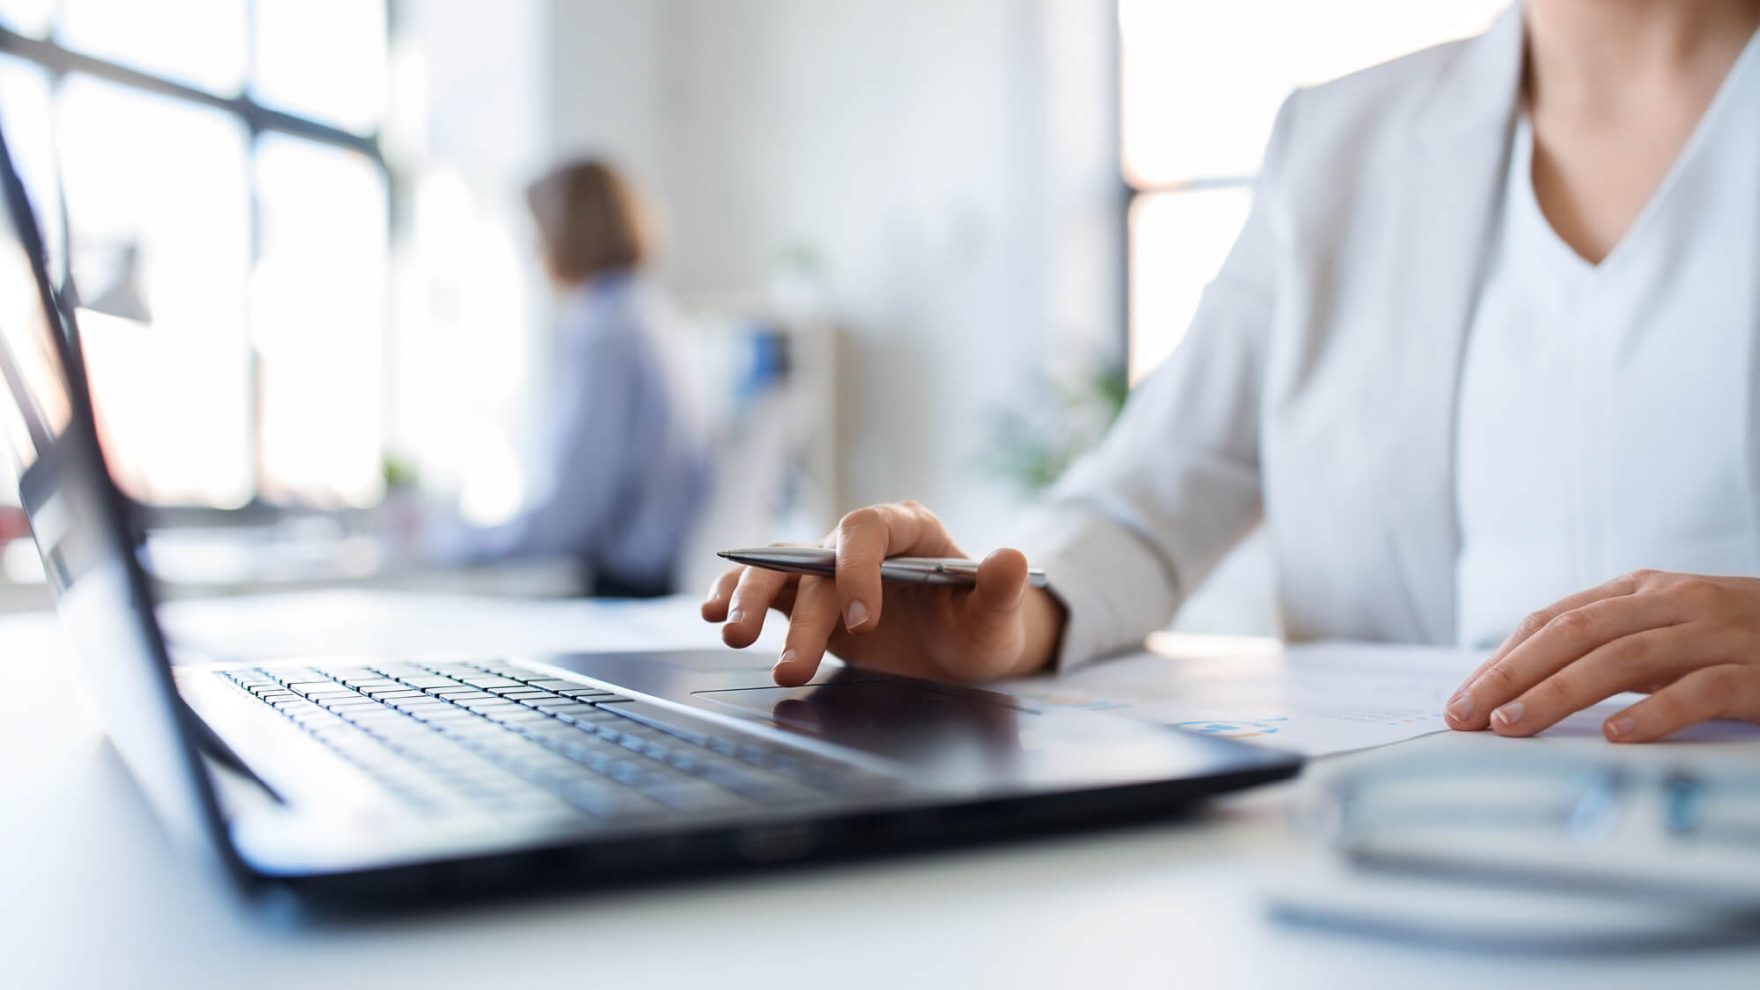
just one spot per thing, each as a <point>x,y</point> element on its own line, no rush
<point>96,896</point>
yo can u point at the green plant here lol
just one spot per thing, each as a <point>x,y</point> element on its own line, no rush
<point>399,473</point>
<point>1033,444</point>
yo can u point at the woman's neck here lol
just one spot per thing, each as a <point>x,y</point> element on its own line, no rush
<point>1607,58</point>
<point>1615,89</point>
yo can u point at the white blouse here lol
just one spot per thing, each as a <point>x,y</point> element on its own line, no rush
<point>1607,413</point>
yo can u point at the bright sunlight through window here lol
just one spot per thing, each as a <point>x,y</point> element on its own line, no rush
<point>1200,87</point>
<point>216,198</point>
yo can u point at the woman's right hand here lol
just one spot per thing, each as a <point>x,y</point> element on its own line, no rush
<point>999,627</point>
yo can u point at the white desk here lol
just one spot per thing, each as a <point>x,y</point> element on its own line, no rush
<point>93,895</point>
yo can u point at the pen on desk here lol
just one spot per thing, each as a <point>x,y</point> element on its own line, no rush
<point>899,570</point>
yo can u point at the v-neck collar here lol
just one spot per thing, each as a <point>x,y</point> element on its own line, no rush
<point>1522,175</point>
<point>1526,229</point>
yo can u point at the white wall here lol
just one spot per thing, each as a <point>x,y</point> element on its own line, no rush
<point>948,161</point>
<point>604,63</point>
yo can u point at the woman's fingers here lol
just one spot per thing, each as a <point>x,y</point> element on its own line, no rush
<point>1690,639</point>
<point>1564,639</point>
<point>864,539</point>
<point>989,617</point>
<point>1622,665</point>
<point>721,594</point>
<point>980,626</point>
<point>1530,626</point>
<point>756,590</point>
<point>992,610</point>
<point>810,625</point>
<point>1722,691</point>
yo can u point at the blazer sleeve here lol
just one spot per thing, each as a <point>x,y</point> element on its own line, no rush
<point>1141,520</point>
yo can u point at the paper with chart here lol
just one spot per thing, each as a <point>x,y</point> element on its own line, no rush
<point>1314,699</point>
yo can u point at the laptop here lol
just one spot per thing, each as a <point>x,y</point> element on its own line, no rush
<point>362,778</point>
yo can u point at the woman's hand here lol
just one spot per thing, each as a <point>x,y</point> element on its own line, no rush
<point>1691,642</point>
<point>999,627</point>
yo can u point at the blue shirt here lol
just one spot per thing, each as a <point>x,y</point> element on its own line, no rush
<point>628,454</point>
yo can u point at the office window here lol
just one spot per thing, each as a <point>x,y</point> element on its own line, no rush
<point>161,251</point>
<point>198,42</point>
<point>1200,85</point>
<point>349,89</point>
<point>216,166</point>
<point>322,225</point>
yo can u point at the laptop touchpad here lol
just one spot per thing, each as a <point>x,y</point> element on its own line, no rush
<point>897,718</point>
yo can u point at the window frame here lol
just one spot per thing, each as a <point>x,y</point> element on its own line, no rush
<point>1132,191</point>
<point>1458,20</point>
<point>1133,194</point>
<point>258,119</point>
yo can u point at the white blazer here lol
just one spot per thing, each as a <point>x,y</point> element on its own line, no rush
<point>1316,387</point>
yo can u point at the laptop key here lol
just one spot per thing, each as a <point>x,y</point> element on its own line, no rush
<point>518,716</point>
<point>584,693</point>
<point>443,711</point>
<point>559,708</point>
<point>371,683</point>
<point>300,687</point>
<point>485,682</point>
<point>425,681</point>
<point>558,684</point>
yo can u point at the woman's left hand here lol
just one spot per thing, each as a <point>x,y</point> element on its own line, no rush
<point>1691,642</point>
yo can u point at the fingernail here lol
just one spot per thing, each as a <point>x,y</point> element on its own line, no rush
<point>1460,707</point>
<point>855,616</point>
<point>735,615</point>
<point>1509,714</point>
<point>782,661</point>
<point>1620,726</point>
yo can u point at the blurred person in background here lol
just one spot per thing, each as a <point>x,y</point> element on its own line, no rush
<point>1483,361</point>
<point>627,452</point>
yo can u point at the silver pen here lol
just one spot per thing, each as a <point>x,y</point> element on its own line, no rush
<point>902,570</point>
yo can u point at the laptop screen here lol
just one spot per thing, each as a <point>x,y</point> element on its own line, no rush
<point>80,524</point>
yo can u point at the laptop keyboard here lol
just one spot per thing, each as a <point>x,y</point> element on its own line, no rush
<point>498,737</point>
